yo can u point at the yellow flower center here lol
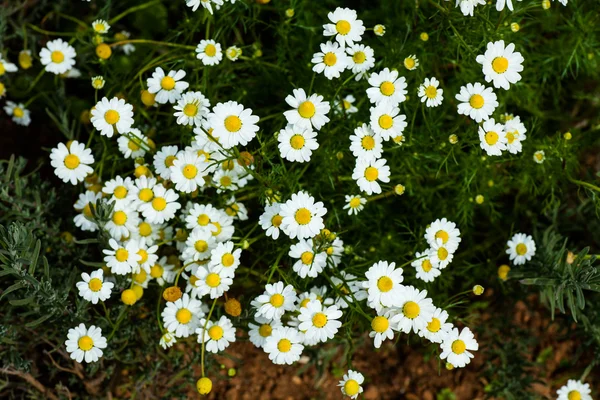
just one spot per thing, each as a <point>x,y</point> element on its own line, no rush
<point>500,65</point>
<point>133,146</point>
<point>359,57</point>
<point>510,137</point>
<point>145,229</point>
<point>193,280</point>
<point>387,88</point>
<point>284,345</point>
<point>203,219</point>
<point>144,254</point>
<point>218,231</point>
<point>119,217</point>
<point>156,271</point>
<point>227,260</point>
<point>210,50</point>
<point>442,253</point>
<point>354,202</point>
<point>85,343</point>
<point>306,109</point>
<point>72,161</point>
<point>167,83</point>
<point>87,210</point>
<point>276,300</point>
<point>411,310</point>
<point>190,110</point>
<point>442,235</point>
<point>434,325</point>
<point>57,57</point>
<point>201,246</point>
<point>476,101</point>
<point>319,320</point>
<point>159,203</point>
<point>2,69</point>
<point>431,92</point>
<point>100,28</point>
<point>183,316</point>
<point>371,174</point>
<point>351,387</point>
<point>426,265</point>
<point>386,121</point>
<point>190,171</point>
<point>276,220</point>
<point>367,143</point>
<point>574,395</point>
<point>409,63</point>
<point>169,161</point>
<point>213,280</point>
<point>385,284</point>
<point>120,192</point>
<point>521,249</point>
<point>307,257</point>
<point>303,216</point>
<point>297,142</point>
<point>233,123</point>
<point>18,112</point>
<point>141,276</point>
<point>380,324</point>
<point>491,138</point>
<point>146,195</point>
<point>95,284</point>
<point>329,59</point>
<point>458,346</point>
<point>215,332</point>
<point>342,27</point>
<point>122,255</point>
<point>112,117</point>
<point>225,180</point>
<point>265,330</point>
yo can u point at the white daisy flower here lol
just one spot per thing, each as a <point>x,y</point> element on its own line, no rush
<point>163,206</point>
<point>162,271</point>
<point>122,259</point>
<point>225,180</point>
<point>181,317</point>
<point>233,124</point>
<point>346,106</point>
<point>93,288</point>
<point>351,384</point>
<point>71,164</point>
<point>345,26</point>
<point>209,52</point>
<point>476,101</point>
<point>308,111</point>
<point>200,216</point>
<point>515,135</point>
<point>361,59</point>
<point>437,328</point>
<point>302,218</point>
<point>350,288</point>
<point>85,343</point>
<point>98,82</point>
<point>236,210</point>
<point>20,115</point>
<point>100,26</point>
<point>574,390</point>
<point>365,144</point>
<point>217,335</point>
<point>387,88</point>
<point>108,116</point>
<point>331,61</point>
<point>192,109</point>
<point>141,192</point>
<point>492,137</point>
<point>233,53</point>
<point>58,56</point>
<point>275,301</point>
<point>259,333</point>
<point>221,227</point>
<point>521,248</point>
<point>416,310</point>
<point>384,285</point>
<point>381,327</point>
<point>425,269</point>
<point>468,6</point>
<point>163,161</point>
<point>539,156</point>
<point>84,219</point>
<point>284,345</point>
<point>148,258</point>
<point>167,88</point>
<point>271,219</point>
<point>123,221</point>
<point>367,173</point>
<point>444,230</point>
<point>199,244</point>
<point>411,62</point>
<point>224,259</point>
<point>141,278</point>
<point>440,255</point>
<point>429,92</point>
<point>133,144</point>
<point>187,171</point>
<point>167,340</point>
<point>455,347</point>
<point>387,121</point>
<point>309,263</point>
<point>211,282</point>
<point>207,4</point>
<point>296,143</point>
<point>501,65</point>
<point>501,3</point>
<point>6,66</point>
<point>318,323</point>
<point>146,233</point>
<point>354,204</point>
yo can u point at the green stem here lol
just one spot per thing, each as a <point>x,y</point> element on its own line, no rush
<point>204,333</point>
<point>585,184</point>
<point>132,10</point>
<point>45,32</point>
<point>144,41</point>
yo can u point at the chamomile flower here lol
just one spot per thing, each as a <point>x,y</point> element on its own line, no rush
<point>429,92</point>
<point>361,59</point>
<point>93,288</point>
<point>387,121</point>
<point>127,48</point>
<point>515,135</point>
<point>351,384</point>
<point>233,53</point>
<point>84,219</point>
<point>58,56</point>
<point>468,6</point>
<point>167,340</point>
<point>259,333</point>
<point>236,210</point>
<point>539,156</point>
<point>345,26</point>
<point>501,64</point>
<point>275,301</point>
<point>346,285</point>
<point>440,255</point>
<point>133,144</point>
<point>416,310</point>
<point>437,327</point>
<point>167,87</point>
<point>122,259</point>
<point>221,227</point>
<point>187,170</point>
<point>379,30</point>
<point>331,61</point>
<point>71,164</point>
<point>123,221</point>
<point>425,269</point>
<point>284,345</point>
<point>191,109</point>
<point>141,278</point>
<point>224,259</point>
<point>411,62</point>
<point>85,343</point>
<point>233,124</point>
<point>444,230</point>
<point>141,191</point>
<point>476,101</point>
<point>302,217</point>
<point>199,216</point>
<point>501,3</point>
<point>209,52</point>
<point>181,317</point>
<point>381,327</point>
<point>6,66</point>
<point>162,271</point>
<point>112,115</point>
<point>308,111</point>
<point>521,248</point>
<point>225,180</point>
<point>163,161</point>
<point>368,174</point>
<point>365,144</point>
<point>207,4</point>
<point>20,115</point>
<point>199,244</point>
<point>384,285</point>
<point>270,220</point>
<point>387,88</point>
<point>355,204</point>
<point>296,143</point>
<point>309,263</point>
<point>574,390</point>
<point>346,106</point>
<point>100,26</point>
<point>146,233</point>
<point>319,323</point>
<point>163,206</point>
<point>217,335</point>
<point>457,346</point>
<point>98,82</point>
<point>492,137</point>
